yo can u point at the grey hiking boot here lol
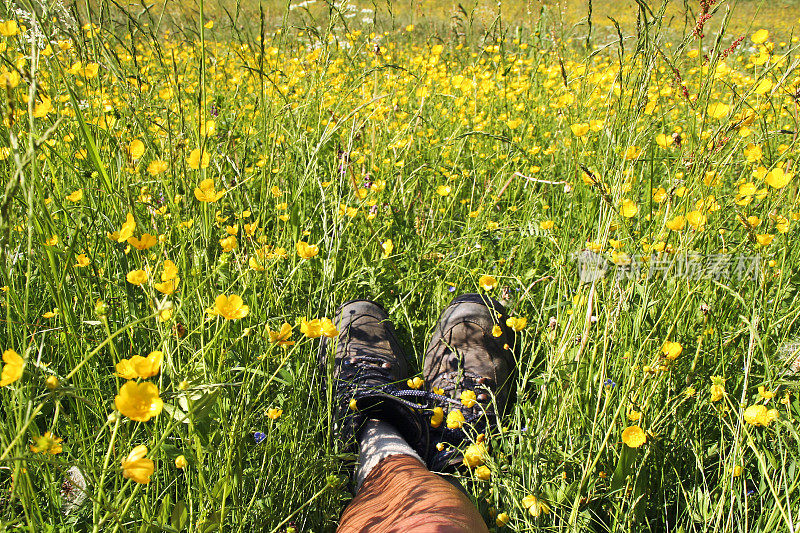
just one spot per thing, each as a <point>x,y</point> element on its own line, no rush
<point>470,365</point>
<point>369,371</point>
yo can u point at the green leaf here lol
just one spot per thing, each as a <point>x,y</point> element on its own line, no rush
<point>179,517</point>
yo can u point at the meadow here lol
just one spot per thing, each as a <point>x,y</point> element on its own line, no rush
<point>187,190</point>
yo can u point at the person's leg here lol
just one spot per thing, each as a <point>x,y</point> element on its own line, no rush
<point>401,495</point>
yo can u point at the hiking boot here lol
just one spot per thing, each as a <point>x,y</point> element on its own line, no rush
<point>469,364</point>
<point>369,370</point>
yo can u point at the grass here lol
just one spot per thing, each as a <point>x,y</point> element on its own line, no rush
<point>509,150</point>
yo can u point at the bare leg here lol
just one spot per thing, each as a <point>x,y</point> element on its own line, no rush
<point>401,495</point>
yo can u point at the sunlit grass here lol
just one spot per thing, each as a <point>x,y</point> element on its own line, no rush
<point>183,198</point>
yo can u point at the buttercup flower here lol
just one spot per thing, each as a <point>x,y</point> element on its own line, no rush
<point>487,282</point>
<point>47,443</point>
<point>759,415</point>
<point>181,462</point>
<point>311,329</point>
<point>307,251</point>
<point>274,413</point>
<point>328,328</point>
<point>282,336</point>
<point>231,307</point>
<point>12,369</point>
<point>127,229</point>
<point>455,419</point>
<point>206,192</point>
<point>136,277</point>
<point>198,159</point>
<point>634,436</point>
<point>146,367</point>
<point>475,455</point>
<point>136,467</point>
<point>468,399</point>
<point>671,350</point>
<point>517,323</point>
<point>139,401</point>
<point>437,417</point>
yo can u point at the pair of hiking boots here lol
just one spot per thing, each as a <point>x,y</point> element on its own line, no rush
<point>467,373</point>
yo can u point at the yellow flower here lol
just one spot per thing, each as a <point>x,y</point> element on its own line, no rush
<point>415,383</point>
<point>198,159</point>
<point>632,152</point>
<point>136,277</point>
<point>664,141</point>
<point>634,436</point>
<point>127,228</point>
<point>329,328</point>
<point>167,287</point>
<point>717,389</point>
<point>437,417</point>
<point>76,196</point>
<point>629,208</point>
<point>696,219</point>
<point>752,152</point>
<point>759,415</point>
<point>139,401</point>
<point>517,323</point>
<point>311,329</point>
<point>502,520</point>
<point>181,462</point>
<point>231,307</point>
<point>136,467</point>
<point>12,369</point>
<point>206,192</point>
<point>483,473</point>
<point>274,413</point>
<point>497,330</point>
<point>546,224</point>
<point>388,248</point>
<point>307,251</point>
<point>764,239</point>
<point>777,178</point>
<point>170,271</point>
<point>671,350</point>
<point>125,369</point>
<point>147,241</point>
<point>157,167</point>
<point>718,110</point>
<point>81,260</point>
<point>760,36</point>
<point>455,419</point>
<point>487,282</point>
<point>47,443</point>
<point>468,398</point>
<point>281,337</point>
<point>136,149</point>
<point>229,243</point>
<point>475,455</point>
<point>677,223</point>
<point>443,190</point>
<point>764,393</point>
<point>146,367</point>
<point>9,28</point>
<point>51,382</point>
<point>535,506</point>
<point>579,129</point>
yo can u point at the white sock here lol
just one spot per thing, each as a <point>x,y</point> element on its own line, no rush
<point>379,440</point>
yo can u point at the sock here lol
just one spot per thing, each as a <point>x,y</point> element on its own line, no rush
<point>379,440</point>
